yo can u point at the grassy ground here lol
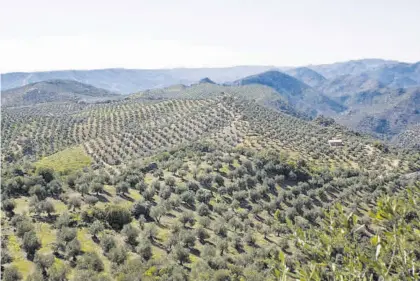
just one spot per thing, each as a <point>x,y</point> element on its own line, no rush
<point>22,205</point>
<point>66,161</point>
<point>89,246</point>
<point>24,266</point>
<point>47,236</point>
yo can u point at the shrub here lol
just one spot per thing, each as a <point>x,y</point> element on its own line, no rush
<point>122,187</point>
<point>96,227</point>
<point>57,272</point>
<point>203,210</point>
<point>73,248</point>
<point>90,261</point>
<point>36,276</point>
<point>117,216</point>
<point>117,255</point>
<point>107,243</point>
<point>144,249</point>
<point>140,208</point>
<point>180,254</point>
<point>11,273</point>
<point>97,187</point>
<point>46,173</point>
<point>30,243</point>
<point>23,226</point>
<point>131,233</point>
<point>44,261</point>
<point>8,206</point>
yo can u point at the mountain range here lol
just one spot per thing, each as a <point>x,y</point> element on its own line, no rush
<point>126,81</point>
<point>379,97</point>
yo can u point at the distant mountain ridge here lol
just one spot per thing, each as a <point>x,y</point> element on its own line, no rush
<point>54,91</point>
<point>383,101</point>
<point>306,75</point>
<point>400,75</point>
<point>206,80</point>
<point>126,81</point>
<point>297,93</point>
<point>352,67</point>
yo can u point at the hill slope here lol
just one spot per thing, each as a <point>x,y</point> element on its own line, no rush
<point>353,67</point>
<point>409,137</point>
<point>126,81</point>
<point>54,91</point>
<point>297,93</point>
<point>261,94</point>
<point>381,96</point>
<point>373,107</point>
<point>396,75</point>
<point>306,75</point>
<point>346,85</point>
<point>386,113</point>
<point>211,188</point>
<point>401,75</point>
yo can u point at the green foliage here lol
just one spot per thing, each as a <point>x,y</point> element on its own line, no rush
<point>122,187</point>
<point>44,260</point>
<point>57,272</point>
<point>108,243</point>
<point>96,227</point>
<point>180,254</point>
<point>35,276</point>
<point>11,274</point>
<point>97,187</point>
<point>144,249</point>
<point>90,261</point>
<point>66,161</point>
<point>131,233</point>
<point>117,255</point>
<point>117,216</point>
<point>8,206</point>
<point>73,248</point>
<point>263,193</point>
<point>30,243</point>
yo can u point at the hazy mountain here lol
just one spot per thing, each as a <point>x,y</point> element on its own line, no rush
<point>127,81</point>
<point>206,80</point>
<point>353,67</point>
<point>54,91</point>
<point>306,75</point>
<point>297,93</point>
<point>347,85</point>
<point>382,100</point>
<point>277,80</point>
<point>385,112</point>
<point>400,75</point>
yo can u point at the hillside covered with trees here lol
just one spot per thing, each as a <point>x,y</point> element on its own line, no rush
<point>201,187</point>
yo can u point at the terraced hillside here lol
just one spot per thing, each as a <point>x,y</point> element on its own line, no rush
<point>201,187</point>
<point>261,94</point>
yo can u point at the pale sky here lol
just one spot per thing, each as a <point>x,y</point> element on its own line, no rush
<point>40,35</point>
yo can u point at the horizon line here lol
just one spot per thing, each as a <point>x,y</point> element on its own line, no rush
<point>205,67</point>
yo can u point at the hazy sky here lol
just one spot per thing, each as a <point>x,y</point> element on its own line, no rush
<point>89,34</point>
